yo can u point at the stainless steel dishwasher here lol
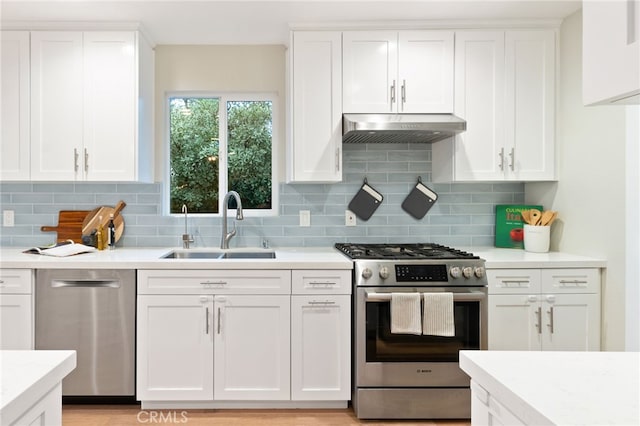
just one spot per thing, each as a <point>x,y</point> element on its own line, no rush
<point>93,312</point>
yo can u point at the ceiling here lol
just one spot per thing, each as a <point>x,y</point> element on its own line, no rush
<point>268,21</point>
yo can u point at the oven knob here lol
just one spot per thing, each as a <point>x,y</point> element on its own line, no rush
<point>366,273</point>
<point>455,272</point>
<point>479,271</point>
<point>467,272</point>
<point>384,272</point>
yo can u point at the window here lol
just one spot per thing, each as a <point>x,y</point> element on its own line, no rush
<point>219,144</point>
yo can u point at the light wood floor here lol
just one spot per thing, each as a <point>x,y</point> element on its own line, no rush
<point>129,415</point>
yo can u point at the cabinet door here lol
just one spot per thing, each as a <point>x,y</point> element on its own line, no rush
<point>16,323</point>
<point>370,71</point>
<point>425,71</point>
<point>530,105</point>
<point>315,151</point>
<point>571,322</point>
<point>56,105</point>
<point>110,88</point>
<point>174,348</point>
<point>252,351</point>
<point>320,342</point>
<point>14,74</point>
<point>514,322</point>
<point>479,81</point>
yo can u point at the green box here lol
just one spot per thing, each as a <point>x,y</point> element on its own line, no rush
<point>509,224</point>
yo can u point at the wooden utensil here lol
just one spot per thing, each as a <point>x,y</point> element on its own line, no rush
<point>548,217</point>
<point>69,225</point>
<point>92,220</point>
<point>526,216</point>
<point>535,217</point>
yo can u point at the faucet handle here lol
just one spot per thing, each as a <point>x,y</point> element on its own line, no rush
<point>186,240</point>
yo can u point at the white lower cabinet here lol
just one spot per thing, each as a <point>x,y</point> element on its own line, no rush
<point>544,309</point>
<point>321,335</point>
<point>222,338</point>
<point>16,309</point>
<point>175,348</point>
<point>320,348</point>
<point>251,347</point>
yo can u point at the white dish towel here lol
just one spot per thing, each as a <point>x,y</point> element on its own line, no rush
<point>438,315</point>
<point>405,313</point>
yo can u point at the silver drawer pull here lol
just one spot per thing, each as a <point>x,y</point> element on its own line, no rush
<point>206,320</point>
<point>213,282</point>
<point>573,282</point>
<point>322,283</point>
<point>219,320</point>
<point>313,302</point>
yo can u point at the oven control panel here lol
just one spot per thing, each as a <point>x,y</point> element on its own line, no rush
<point>462,273</point>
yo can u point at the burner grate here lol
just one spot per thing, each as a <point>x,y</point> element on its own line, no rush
<point>402,251</point>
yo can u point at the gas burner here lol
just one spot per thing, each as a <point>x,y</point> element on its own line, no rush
<point>420,251</point>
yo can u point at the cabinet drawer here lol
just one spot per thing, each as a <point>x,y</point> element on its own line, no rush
<point>16,281</point>
<point>571,280</point>
<point>513,281</point>
<point>321,282</point>
<point>214,282</point>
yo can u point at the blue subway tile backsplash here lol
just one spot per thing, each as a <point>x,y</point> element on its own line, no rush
<point>463,216</point>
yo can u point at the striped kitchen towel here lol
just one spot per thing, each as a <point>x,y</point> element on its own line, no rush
<point>437,317</point>
<point>405,313</point>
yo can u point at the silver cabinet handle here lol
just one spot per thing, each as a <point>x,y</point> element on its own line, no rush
<point>512,154</point>
<point>219,320</point>
<point>573,282</point>
<point>75,160</point>
<point>86,160</point>
<point>403,93</point>
<point>206,320</point>
<point>393,94</point>
<point>326,302</point>
<point>514,281</point>
<point>213,282</point>
<point>337,159</point>
<point>539,315</point>
<point>323,283</point>
<point>550,312</point>
<point>501,155</point>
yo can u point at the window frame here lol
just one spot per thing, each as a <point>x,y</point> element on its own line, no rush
<point>223,97</point>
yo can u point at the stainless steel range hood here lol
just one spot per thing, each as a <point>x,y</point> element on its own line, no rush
<point>400,128</point>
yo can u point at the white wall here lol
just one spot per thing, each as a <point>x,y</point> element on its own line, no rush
<point>201,68</point>
<point>590,192</point>
<point>632,311</point>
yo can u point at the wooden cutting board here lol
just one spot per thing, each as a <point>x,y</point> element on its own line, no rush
<point>92,220</point>
<point>69,225</point>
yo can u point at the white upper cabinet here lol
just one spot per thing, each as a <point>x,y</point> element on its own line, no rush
<point>398,71</point>
<point>505,90</point>
<point>14,73</point>
<point>90,106</point>
<point>315,140</point>
<point>611,52</point>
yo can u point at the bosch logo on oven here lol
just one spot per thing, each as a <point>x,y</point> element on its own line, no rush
<point>420,370</point>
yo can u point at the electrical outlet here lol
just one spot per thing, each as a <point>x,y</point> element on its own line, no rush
<point>305,218</point>
<point>8,218</point>
<point>349,218</point>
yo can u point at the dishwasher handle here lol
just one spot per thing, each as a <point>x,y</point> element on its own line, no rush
<point>85,283</point>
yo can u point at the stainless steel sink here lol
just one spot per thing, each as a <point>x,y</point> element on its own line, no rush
<point>248,255</point>
<point>218,254</point>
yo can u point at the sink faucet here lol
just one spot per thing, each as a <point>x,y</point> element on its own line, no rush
<point>226,236</point>
<point>186,238</point>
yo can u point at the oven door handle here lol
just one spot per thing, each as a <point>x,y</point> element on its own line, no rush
<point>457,297</point>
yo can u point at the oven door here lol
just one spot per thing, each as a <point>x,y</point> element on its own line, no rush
<point>405,360</point>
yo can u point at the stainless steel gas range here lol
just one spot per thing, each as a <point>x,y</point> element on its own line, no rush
<point>408,376</point>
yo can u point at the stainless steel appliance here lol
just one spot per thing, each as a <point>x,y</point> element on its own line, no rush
<point>405,376</point>
<point>400,128</point>
<point>92,312</point>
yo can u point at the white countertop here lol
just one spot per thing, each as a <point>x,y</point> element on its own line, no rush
<point>286,258</point>
<point>27,376</point>
<point>497,258</point>
<point>150,258</point>
<point>563,388</point>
